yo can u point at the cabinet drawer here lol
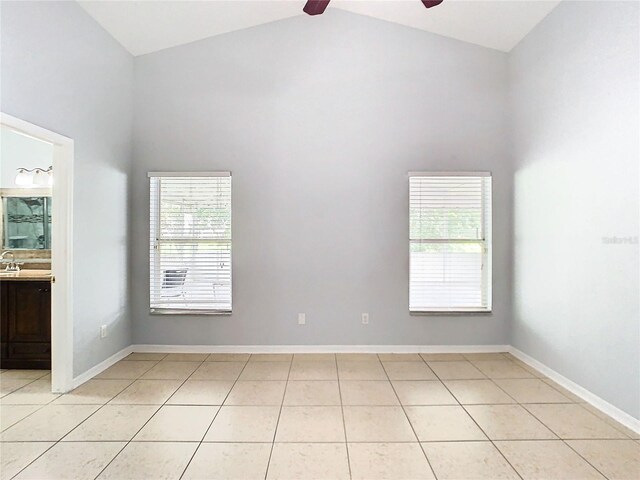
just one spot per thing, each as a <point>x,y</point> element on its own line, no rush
<point>29,350</point>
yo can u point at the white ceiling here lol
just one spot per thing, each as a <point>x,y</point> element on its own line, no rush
<point>146,26</point>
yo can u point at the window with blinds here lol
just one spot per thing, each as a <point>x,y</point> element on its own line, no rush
<point>450,242</point>
<point>190,243</point>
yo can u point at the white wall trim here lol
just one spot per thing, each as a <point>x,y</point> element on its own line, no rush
<point>102,366</point>
<point>319,348</point>
<point>591,398</point>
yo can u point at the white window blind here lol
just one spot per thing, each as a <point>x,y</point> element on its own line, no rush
<point>190,242</point>
<point>450,242</point>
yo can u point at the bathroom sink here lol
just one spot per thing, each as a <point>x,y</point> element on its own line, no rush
<point>27,275</point>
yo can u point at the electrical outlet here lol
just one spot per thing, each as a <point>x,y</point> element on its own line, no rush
<point>103,331</point>
<point>365,319</point>
<point>302,319</point>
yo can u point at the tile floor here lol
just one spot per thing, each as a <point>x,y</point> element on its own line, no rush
<point>304,417</point>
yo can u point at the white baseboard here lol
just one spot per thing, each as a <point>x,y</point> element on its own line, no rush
<point>601,404</point>
<point>102,366</point>
<point>144,348</point>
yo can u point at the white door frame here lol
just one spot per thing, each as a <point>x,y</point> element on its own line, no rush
<point>61,251</point>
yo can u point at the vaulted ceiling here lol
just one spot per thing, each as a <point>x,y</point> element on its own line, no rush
<point>151,25</point>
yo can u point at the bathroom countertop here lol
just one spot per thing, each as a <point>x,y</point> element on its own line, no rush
<point>26,276</point>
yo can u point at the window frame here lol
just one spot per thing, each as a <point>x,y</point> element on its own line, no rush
<point>485,243</point>
<point>154,226</point>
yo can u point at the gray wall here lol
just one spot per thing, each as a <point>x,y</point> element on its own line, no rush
<point>574,83</point>
<point>320,119</point>
<point>61,71</point>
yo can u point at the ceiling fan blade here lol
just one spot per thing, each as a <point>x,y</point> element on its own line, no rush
<point>316,7</point>
<point>431,3</point>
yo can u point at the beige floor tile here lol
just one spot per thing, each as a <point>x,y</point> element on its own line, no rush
<point>501,369</point>
<point>486,356</point>
<point>357,357</point>
<point>312,392</point>
<point>573,421</point>
<point>617,425</point>
<point>508,422</point>
<point>477,392</point>
<point>8,385</point>
<point>178,423</point>
<point>271,357</point>
<point>408,371</point>
<point>113,423</point>
<point>72,461</point>
<point>309,461</point>
<point>616,459</point>
<point>527,367</point>
<point>367,392</point>
<point>257,392</point>
<point>310,424</point>
<point>201,392</point>
<point>165,370</point>
<point>531,390</point>
<point>185,357</point>
<point>313,370</point>
<point>145,356</point>
<point>423,392</point>
<point>94,392</point>
<point>218,371</point>
<point>48,424</point>
<point>150,461</point>
<point>244,424</point>
<point>400,357</point>
<point>24,374</point>
<point>442,357</point>
<point>388,461</point>
<point>12,414</point>
<point>124,370</point>
<point>37,392</point>
<point>456,370</point>
<point>546,460</point>
<point>314,357</point>
<point>468,461</point>
<point>228,357</point>
<point>360,370</point>
<point>15,456</point>
<point>260,370</point>
<point>230,461</point>
<point>147,392</point>
<point>377,424</point>
<point>563,391</point>
<point>443,423</point>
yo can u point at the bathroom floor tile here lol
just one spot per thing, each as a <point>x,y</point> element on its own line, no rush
<point>572,421</point>
<point>260,370</point>
<point>218,371</point>
<point>442,357</point>
<point>468,461</point>
<point>443,423</point>
<point>367,392</point>
<point>456,370</point>
<point>93,392</point>
<point>146,356</point>
<point>147,392</point>
<point>313,370</point>
<point>314,357</point>
<point>531,390</point>
<point>150,461</point>
<point>8,385</point>
<point>244,424</point>
<point>48,424</point>
<point>486,356</point>
<point>508,422</point>
<point>502,369</point>
<point>469,392</point>
<point>185,357</point>
<point>357,357</point>
<point>308,461</point>
<point>77,461</point>
<point>257,392</point>
<point>178,423</point>
<point>312,393</point>
<point>12,414</point>
<point>38,392</point>
<point>408,371</point>
<point>377,424</point>
<point>384,461</point>
<point>400,357</point>
<point>228,357</point>
<point>423,392</point>
<point>544,460</point>
<point>23,374</point>
<point>127,370</point>
<point>201,392</point>
<point>17,455</point>
<point>271,357</point>
<point>165,370</point>
<point>310,424</point>
<point>113,423</point>
<point>616,459</point>
<point>238,461</point>
<point>361,370</point>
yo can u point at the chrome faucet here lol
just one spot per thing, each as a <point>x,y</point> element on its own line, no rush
<point>12,265</point>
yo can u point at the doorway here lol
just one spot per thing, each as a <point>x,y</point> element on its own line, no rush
<point>61,236</point>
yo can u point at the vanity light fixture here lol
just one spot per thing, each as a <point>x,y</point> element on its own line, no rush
<point>36,177</point>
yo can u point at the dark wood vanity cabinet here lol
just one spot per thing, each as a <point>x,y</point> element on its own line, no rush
<point>25,310</point>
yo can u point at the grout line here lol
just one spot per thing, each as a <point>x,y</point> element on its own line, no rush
<point>344,424</point>
<point>275,431</point>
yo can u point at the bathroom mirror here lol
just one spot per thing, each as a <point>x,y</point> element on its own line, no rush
<point>26,222</point>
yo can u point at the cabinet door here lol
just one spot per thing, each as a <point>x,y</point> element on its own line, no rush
<point>28,312</point>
